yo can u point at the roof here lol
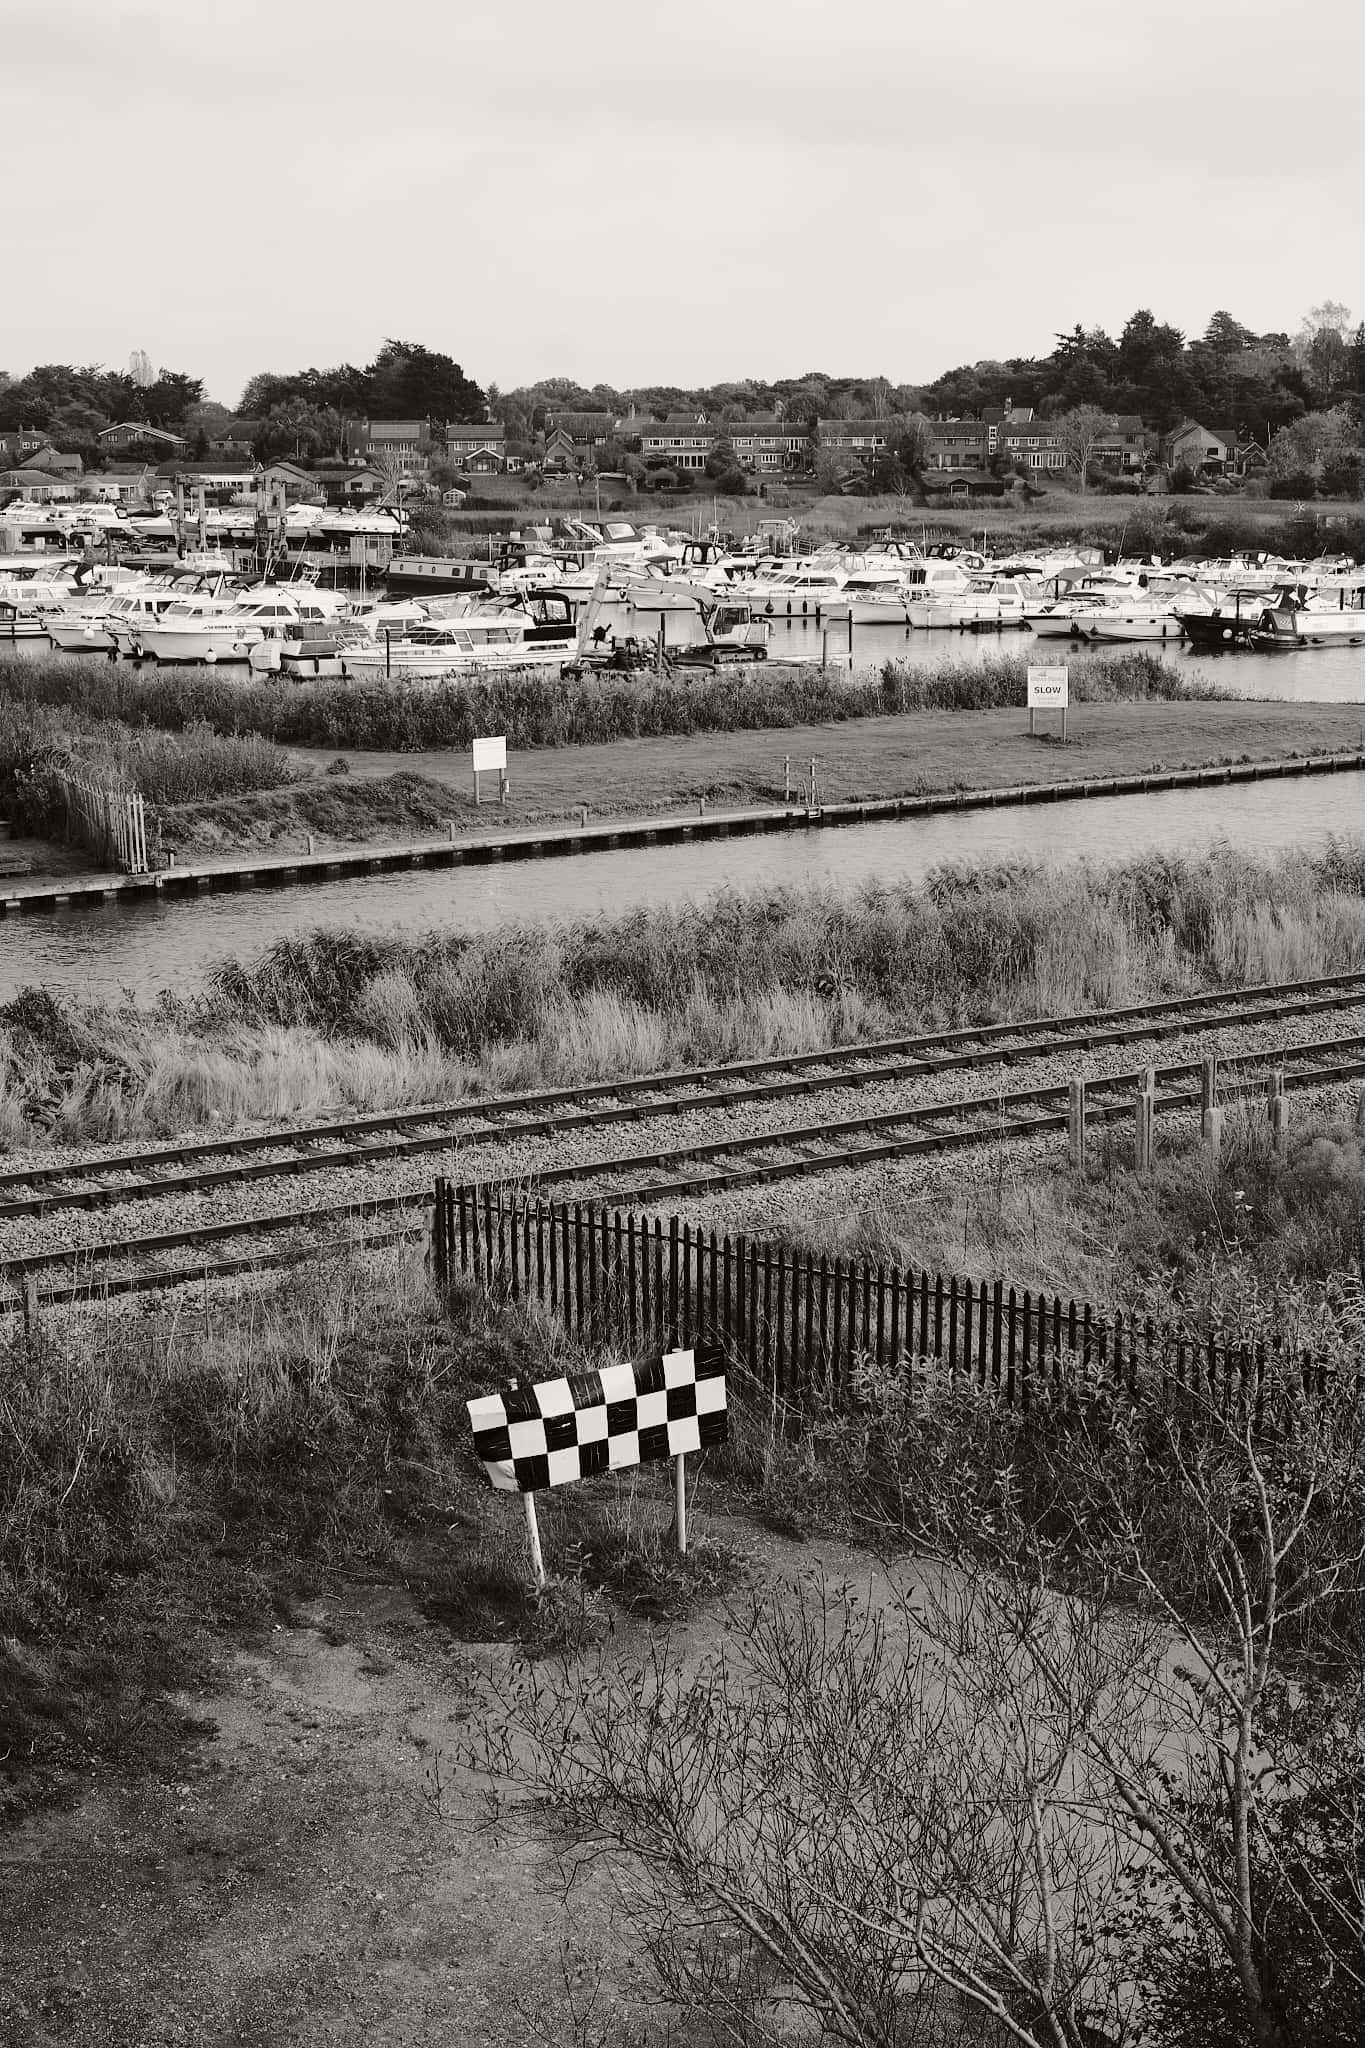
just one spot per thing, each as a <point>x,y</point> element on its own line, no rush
<point>48,458</point>
<point>581,422</point>
<point>864,427</point>
<point>482,433</point>
<point>244,469</point>
<point>140,429</point>
<point>394,430</point>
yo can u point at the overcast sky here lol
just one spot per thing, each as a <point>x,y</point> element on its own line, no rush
<point>639,192</point>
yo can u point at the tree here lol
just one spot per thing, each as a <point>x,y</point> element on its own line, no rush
<point>408,381</point>
<point>1080,431</point>
<point>1316,446</point>
<point>1226,336</point>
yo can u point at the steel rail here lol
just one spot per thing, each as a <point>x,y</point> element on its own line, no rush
<point>85,1184</point>
<point>820,1148</point>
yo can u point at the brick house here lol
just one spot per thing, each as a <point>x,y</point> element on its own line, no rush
<point>478,447</point>
<point>575,440</point>
<point>768,444</point>
<point>864,438</point>
<point>956,445</point>
<point>681,443</point>
<point>1192,446</point>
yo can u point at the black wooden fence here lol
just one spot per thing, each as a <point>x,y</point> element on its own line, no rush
<point>802,1326</point>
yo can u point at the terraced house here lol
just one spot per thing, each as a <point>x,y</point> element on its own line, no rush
<point>683,443</point>
<point>768,444</point>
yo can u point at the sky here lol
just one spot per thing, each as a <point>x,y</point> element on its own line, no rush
<point>639,193</point>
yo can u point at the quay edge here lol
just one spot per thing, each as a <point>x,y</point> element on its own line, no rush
<point>342,863</point>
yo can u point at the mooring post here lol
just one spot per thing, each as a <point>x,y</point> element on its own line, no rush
<point>1075,1125</point>
<point>786,778</point>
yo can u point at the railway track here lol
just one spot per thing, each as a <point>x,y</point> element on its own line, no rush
<point>173,1257</point>
<point>156,1172</point>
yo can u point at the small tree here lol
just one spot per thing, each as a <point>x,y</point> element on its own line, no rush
<point>1081,430</point>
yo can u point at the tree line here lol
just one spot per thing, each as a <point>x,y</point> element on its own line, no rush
<point>1260,385</point>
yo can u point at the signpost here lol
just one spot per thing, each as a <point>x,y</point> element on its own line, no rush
<point>490,756</point>
<point>555,1432</point>
<point>1047,691</point>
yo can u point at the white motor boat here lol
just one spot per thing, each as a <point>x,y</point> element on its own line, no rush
<point>537,634</point>
<point>800,591</point>
<point>214,629</point>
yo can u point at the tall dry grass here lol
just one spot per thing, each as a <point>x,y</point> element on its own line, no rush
<point>548,711</point>
<point>332,1020</point>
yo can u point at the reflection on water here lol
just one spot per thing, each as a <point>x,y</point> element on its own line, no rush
<point>111,948</point>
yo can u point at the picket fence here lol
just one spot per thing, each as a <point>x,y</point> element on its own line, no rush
<point>802,1327</point>
<point>110,823</point>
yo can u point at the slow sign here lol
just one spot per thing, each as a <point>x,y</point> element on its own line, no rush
<point>1047,691</point>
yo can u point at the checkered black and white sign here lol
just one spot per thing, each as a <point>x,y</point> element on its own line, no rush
<point>561,1430</point>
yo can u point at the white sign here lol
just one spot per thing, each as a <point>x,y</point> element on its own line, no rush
<point>1047,689</point>
<point>490,754</point>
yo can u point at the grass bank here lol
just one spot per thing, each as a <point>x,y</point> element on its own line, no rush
<point>191,764</point>
<point>547,711</point>
<point>335,1019</point>
<point>166,1480</point>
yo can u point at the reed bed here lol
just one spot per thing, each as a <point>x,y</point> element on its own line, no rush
<point>193,764</point>
<point>336,1019</point>
<point>543,711</point>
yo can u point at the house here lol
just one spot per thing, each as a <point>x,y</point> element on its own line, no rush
<point>120,483</point>
<point>479,446</point>
<point>866,438</point>
<point>54,463</point>
<point>136,433</point>
<point>36,485</point>
<point>767,444</point>
<point>348,485</point>
<point>23,442</point>
<point>1192,446</point>
<point>292,482</point>
<point>229,444</point>
<point>575,440</point>
<point>227,481</point>
<point>1027,441</point>
<point>681,443</point>
<point>403,446</point>
<point>955,445</point>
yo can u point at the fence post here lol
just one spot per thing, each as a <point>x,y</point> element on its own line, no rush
<point>1075,1125</point>
<point>1278,1110</point>
<point>1144,1122</point>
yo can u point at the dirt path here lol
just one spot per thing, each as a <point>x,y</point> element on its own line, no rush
<point>287,1878</point>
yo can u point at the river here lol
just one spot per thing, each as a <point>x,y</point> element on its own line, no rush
<point>142,947</point>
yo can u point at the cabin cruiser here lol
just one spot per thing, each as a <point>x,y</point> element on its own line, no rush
<point>536,633</point>
<point>802,589</point>
<point>1298,617</point>
<point>213,629</point>
<point>985,601</point>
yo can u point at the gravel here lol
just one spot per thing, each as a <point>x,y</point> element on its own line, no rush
<point>521,1158</point>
